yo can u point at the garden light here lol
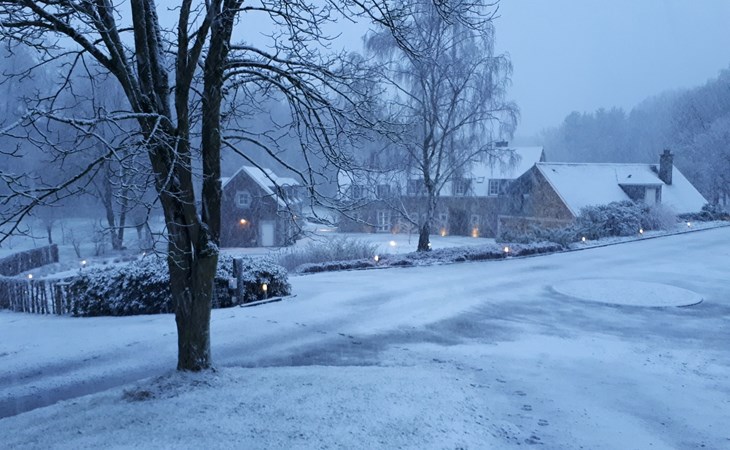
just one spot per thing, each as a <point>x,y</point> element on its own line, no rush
<point>243,221</point>
<point>506,249</point>
<point>393,243</point>
<point>641,231</point>
<point>30,276</point>
<point>475,232</point>
<point>83,263</point>
<point>376,258</point>
<point>689,224</point>
<point>583,239</point>
<point>443,232</point>
<point>265,287</point>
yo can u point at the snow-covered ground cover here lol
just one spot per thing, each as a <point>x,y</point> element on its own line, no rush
<point>474,355</point>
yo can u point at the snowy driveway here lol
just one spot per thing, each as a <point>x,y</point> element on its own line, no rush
<point>551,369</point>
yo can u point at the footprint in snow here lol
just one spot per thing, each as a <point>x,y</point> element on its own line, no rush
<point>543,422</point>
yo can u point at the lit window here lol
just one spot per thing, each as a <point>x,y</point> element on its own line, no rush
<point>243,199</point>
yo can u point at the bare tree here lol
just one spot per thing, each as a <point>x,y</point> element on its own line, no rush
<point>448,99</point>
<point>180,87</point>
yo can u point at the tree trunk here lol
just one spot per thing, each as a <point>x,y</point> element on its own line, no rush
<point>191,281</point>
<point>423,237</point>
<point>424,242</point>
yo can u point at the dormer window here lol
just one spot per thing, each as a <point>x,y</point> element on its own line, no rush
<point>383,191</point>
<point>357,192</point>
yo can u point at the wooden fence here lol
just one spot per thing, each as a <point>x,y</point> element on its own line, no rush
<point>35,296</point>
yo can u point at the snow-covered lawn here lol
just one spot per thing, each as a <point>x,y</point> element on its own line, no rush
<point>476,355</point>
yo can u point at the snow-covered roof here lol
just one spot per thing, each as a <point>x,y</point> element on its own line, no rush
<point>587,184</point>
<point>509,163</point>
<point>265,178</point>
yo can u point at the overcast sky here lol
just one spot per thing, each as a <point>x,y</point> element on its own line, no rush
<point>579,55</point>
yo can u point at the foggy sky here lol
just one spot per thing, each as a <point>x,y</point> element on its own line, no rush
<point>579,55</point>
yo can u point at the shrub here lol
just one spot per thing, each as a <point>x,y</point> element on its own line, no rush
<point>595,222</point>
<point>622,219</point>
<point>256,272</point>
<point>333,250</point>
<point>710,212</point>
<point>535,233</point>
<point>142,286</point>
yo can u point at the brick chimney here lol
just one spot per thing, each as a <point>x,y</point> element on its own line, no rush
<point>666,160</point>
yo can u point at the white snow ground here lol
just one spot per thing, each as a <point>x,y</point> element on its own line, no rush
<point>473,355</point>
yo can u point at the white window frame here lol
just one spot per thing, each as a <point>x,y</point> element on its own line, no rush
<point>493,188</point>
<point>383,220</point>
<point>461,186</point>
<point>244,199</point>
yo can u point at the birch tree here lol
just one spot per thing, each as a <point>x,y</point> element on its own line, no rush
<point>448,95</point>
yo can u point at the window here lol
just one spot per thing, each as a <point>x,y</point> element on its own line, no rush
<point>498,187</point>
<point>357,192</point>
<point>461,186</point>
<point>383,191</point>
<point>243,199</point>
<point>383,220</point>
<point>416,187</point>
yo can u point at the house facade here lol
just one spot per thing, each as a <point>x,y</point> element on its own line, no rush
<point>555,193</point>
<point>259,209</point>
<point>469,203</point>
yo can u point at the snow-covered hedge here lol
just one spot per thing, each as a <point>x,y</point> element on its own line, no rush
<point>28,259</point>
<point>332,250</point>
<point>708,213</point>
<point>594,222</point>
<point>440,256</point>
<point>142,287</point>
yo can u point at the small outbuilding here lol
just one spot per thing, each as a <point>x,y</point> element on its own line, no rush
<point>259,209</point>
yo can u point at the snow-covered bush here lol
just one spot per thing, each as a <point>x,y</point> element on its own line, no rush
<point>622,219</point>
<point>440,256</point>
<point>710,212</point>
<point>256,273</point>
<point>613,219</point>
<point>535,233</point>
<point>142,287</point>
<point>333,250</point>
<point>595,222</point>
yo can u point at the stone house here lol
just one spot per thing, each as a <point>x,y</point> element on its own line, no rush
<point>469,203</point>
<point>259,209</point>
<point>554,193</point>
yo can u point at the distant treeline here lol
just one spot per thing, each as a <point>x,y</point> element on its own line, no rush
<point>694,124</point>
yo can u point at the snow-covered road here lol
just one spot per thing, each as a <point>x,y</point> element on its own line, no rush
<point>551,369</point>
